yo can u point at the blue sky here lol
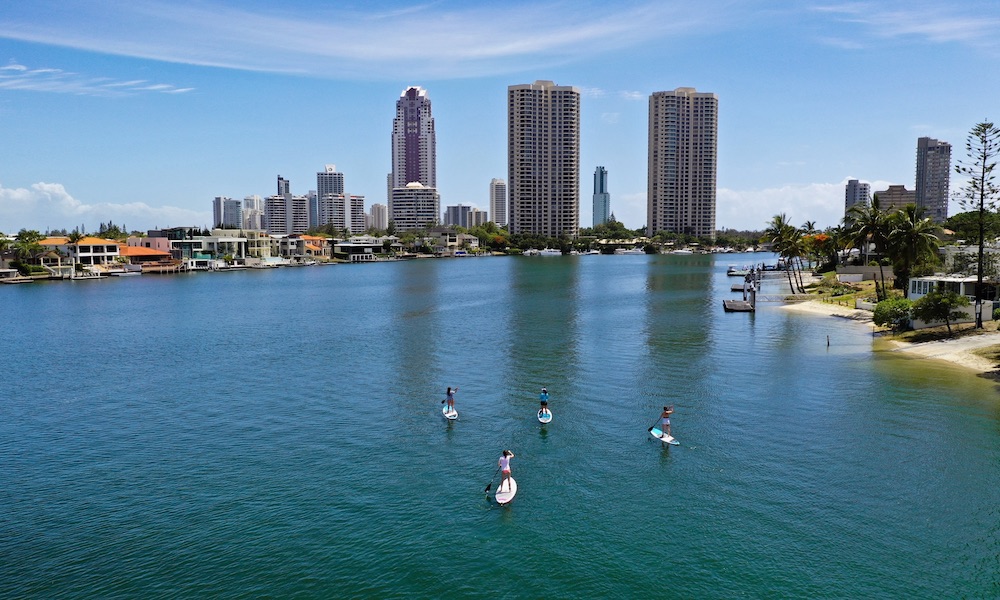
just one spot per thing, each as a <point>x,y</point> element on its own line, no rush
<point>142,112</point>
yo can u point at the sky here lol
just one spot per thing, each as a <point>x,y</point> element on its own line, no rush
<point>142,112</point>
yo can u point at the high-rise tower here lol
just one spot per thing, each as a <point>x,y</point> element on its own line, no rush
<point>602,199</point>
<point>933,175</point>
<point>329,181</point>
<point>855,193</point>
<point>683,158</point>
<point>414,144</point>
<point>498,201</point>
<point>543,153</point>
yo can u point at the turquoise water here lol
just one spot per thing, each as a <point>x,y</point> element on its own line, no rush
<point>279,434</point>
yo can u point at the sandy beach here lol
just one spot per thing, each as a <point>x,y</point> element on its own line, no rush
<point>960,351</point>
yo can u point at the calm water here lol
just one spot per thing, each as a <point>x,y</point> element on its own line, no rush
<point>278,434</point>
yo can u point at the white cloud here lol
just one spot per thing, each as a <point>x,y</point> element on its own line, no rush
<point>610,117</point>
<point>628,95</point>
<point>49,206</point>
<point>20,77</point>
<point>970,23</point>
<point>752,209</point>
<point>439,39</point>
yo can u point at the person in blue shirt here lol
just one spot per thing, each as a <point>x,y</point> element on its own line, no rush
<point>543,400</point>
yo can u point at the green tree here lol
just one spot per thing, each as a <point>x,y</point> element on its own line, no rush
<point>894,313</point>
<point>965,226</point>
<point>786,240</point>
<point>869,226</point>
<point>26,244</point>
<point>912,241</point>
<point>981,191</point>
<point>940,306</point>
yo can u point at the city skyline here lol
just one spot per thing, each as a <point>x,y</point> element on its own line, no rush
<point>191,101</point>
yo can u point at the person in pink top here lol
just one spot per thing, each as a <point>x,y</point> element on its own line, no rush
<point>504,463</point>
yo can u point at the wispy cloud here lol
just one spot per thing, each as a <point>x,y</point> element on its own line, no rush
<point>973,22</point>
<point>446,38</point>
<point>16,76</point>
<point>630,95</point>
<point>49,205</point>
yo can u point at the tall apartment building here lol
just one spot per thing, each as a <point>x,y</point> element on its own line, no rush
<point>343,211</point>
<point>253,212</point>
<point>933,175</point>
<point>478,217</point>
<point>357,224</point>
<point>228,213</point>
<point>855,193</point>
<point>543,158</point>
<point>380,216</point>
<point>602,199</point>
<point>895,198</point>
<point>457,215</point>
<point>414,143</point>
<point>329,181</point>
<point>414,160</point>
<point>415,206</point>
<point>498,201</point>
<point>683,162</point>
<point>285,213</point>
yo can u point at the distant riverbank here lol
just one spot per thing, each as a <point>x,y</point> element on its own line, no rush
<point>964,351</point>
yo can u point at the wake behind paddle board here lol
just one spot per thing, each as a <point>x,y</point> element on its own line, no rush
<point>451,415</point>
<point>506,491</point>
<point>663,437</point>
<point>544,418</point>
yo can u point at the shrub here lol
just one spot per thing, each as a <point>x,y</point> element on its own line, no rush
<point>893,313</point>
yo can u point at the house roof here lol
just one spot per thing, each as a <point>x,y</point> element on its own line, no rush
<point>84,241</point>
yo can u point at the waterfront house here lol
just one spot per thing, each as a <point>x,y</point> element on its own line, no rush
<point>961,284</point>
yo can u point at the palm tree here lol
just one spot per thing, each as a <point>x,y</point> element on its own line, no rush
<point>911,241</point>
<point>786,240</point>
<point>26,244</point>
<point>870,226</point>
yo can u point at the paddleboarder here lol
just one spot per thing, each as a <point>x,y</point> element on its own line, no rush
<point>543,400</point>
<point>504,464</point>
<point>665,419</point>
<point>450,398</point>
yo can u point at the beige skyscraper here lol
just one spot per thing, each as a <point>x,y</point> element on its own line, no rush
<point>543,148</point>
<point>683,159</point>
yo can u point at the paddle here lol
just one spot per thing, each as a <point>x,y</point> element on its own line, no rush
<point>490,484</point>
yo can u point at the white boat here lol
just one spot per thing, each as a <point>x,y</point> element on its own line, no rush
<point>683,251</point>
<point>550,252</point>
<point>636,250</point>
<point>531,252</point>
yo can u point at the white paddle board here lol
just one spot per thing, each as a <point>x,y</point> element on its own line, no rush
<point>451,415</point>
<point>663,437</point>
<point>504,493</point>
<point>544,418</point>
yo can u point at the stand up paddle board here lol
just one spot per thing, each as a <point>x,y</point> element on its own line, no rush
<point>451,415</point>
<point>544,418</point>
<point>504,493</point>
<point>663,437</point>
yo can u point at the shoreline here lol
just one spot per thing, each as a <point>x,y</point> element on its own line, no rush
<point>959,351</point>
